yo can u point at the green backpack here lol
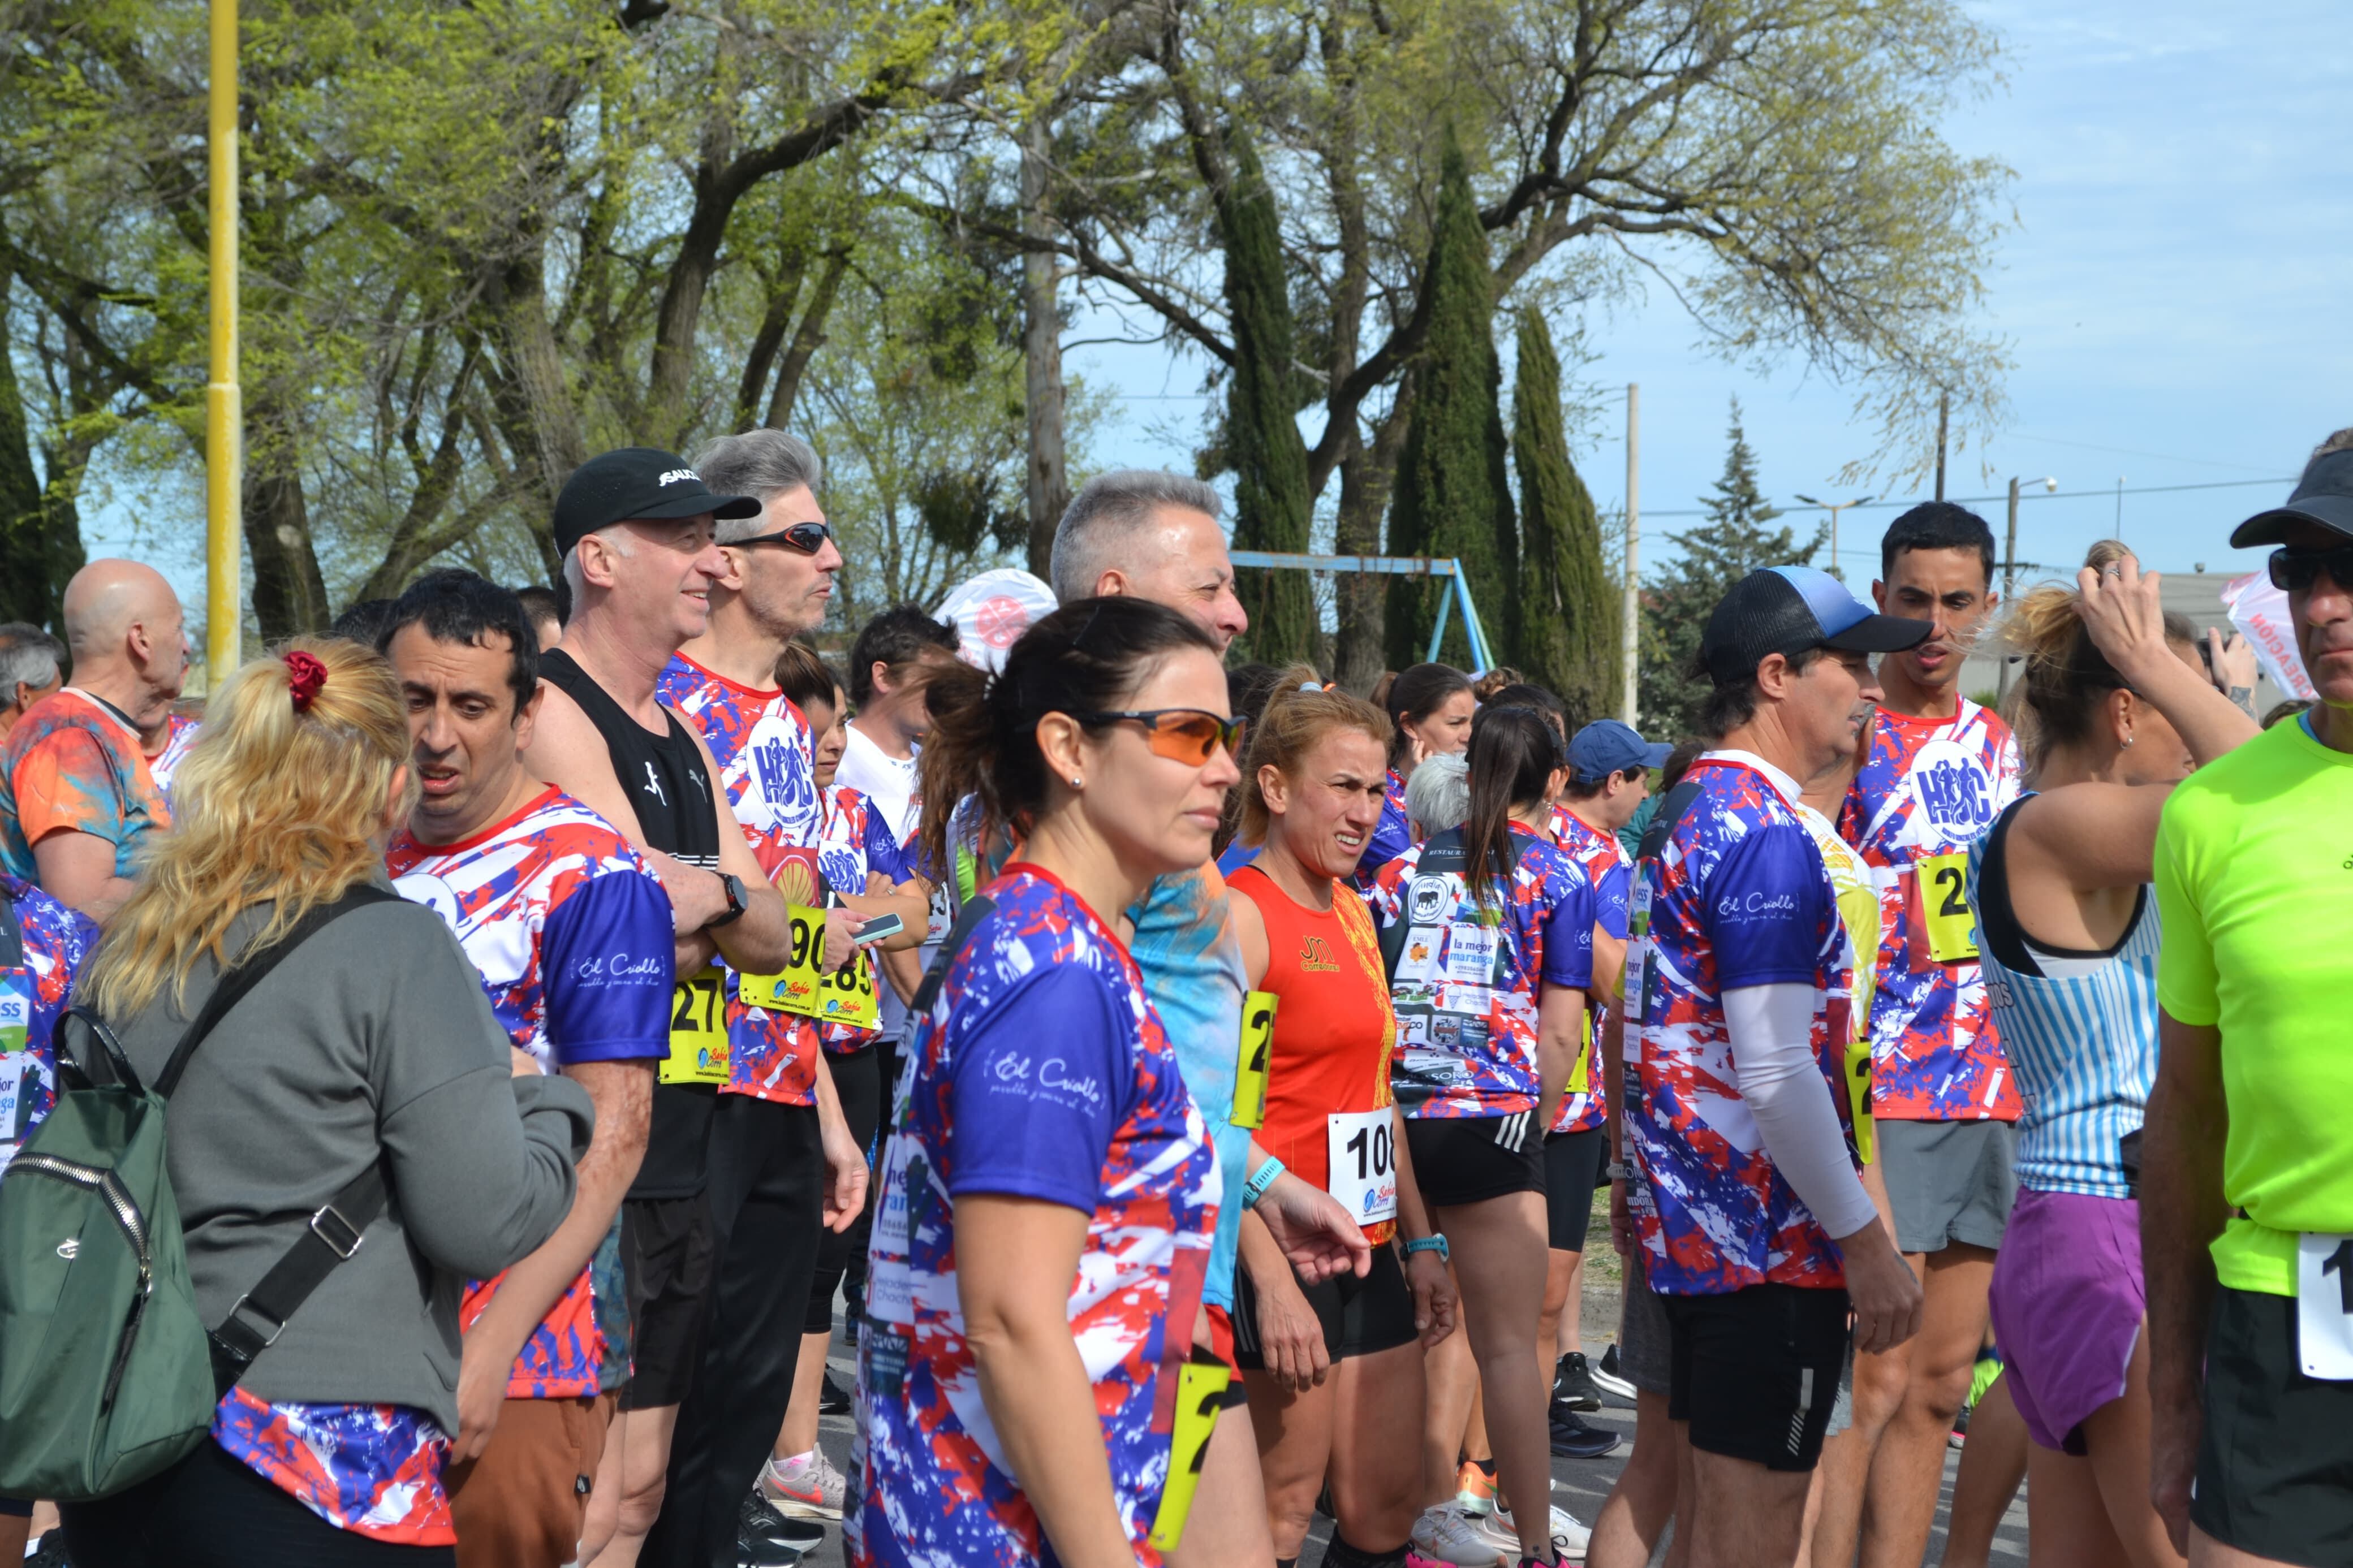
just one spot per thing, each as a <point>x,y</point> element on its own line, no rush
<point>108,1375</point>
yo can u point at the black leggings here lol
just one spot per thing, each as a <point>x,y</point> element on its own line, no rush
<point>211,1511</point>
<point>857,1081</point>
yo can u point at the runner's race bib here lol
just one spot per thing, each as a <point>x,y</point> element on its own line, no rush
<point>1363,1147</point>
<point>795,988</point>
<point>1952,926</point>
<point>1638,953</point>
<point>2323,1306</point>
<point>698,1030</point>
<point>1259,1008</point>
<point>1200,1394</point>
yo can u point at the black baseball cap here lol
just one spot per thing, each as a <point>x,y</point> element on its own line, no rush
<point>1788,609</point>
<point>2324,496</point>
<point>635,482</point>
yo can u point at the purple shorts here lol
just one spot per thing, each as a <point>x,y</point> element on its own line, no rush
<point>2067,1304</point>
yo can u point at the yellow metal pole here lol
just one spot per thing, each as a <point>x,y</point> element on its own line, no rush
<point>224,405</point>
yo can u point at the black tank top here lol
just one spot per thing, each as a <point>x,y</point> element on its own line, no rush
<point>672,791</point>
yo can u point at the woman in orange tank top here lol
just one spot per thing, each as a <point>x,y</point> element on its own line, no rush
<point>1332,1370</point>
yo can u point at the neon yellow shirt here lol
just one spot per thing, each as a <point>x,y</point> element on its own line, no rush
<point>2254,883</point>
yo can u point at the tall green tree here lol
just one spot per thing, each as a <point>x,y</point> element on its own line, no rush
<point>1736,539</point>
<point>1272,506</point>
<point>1453,497</point>
<point>1568,630</point>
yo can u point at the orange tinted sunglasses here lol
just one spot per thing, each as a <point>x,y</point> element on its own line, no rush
<point>1181,734</point>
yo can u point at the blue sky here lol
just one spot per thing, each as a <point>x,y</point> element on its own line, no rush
<point>2171,289</point>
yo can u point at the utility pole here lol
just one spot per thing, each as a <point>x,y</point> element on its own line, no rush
<point>1836,571</point>
<point>224,401</point>
<point>2009,558</point>
<point>1630,635</point>
<point>1944,416</point>
<point>2120,508</point>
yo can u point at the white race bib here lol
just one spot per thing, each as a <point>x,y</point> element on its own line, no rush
<point>16,1081</point>
<point>1363,1163</point>
<point>890,1296</point>
<point>1638,956</point>
<point>2323,1306</point>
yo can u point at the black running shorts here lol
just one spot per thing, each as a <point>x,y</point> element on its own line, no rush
<point>1756,1372</point>
<point>1572,1165</point>
<point>666,1259</point>
<point>2276,1464</point>
<point>1360,1317</point>
<point>1470,1158</point>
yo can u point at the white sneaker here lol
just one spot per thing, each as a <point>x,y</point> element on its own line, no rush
<point>806,1488</point>
<point>1569,1538</point>
<point>1445,1536</point>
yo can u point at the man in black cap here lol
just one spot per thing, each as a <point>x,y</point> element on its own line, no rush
<point>636,530</point>
<point>1757,1231</point>
<point>2247,1160</point>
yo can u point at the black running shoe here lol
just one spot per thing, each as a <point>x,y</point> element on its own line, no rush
<point>766,1539</point>
<point>1572,1384</point>
<point>832,1399</point>
<point>1573,1439</point>
<point>1610,1379</point>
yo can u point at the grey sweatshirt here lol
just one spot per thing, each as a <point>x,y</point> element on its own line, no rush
<point>373,1041</point>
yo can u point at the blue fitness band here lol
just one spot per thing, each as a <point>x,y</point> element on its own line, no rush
<point>1260,1179</point>
<point>1433,1242</point>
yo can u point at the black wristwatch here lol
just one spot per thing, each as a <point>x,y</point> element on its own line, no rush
<point>733,886</point>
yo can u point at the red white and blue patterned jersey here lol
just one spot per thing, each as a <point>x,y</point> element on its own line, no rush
<point>1392,835</point>
<point>1468,974</point>
<point>55,941</point>
<point>1041,1072</point>
<point>1737,897</point>
<point>768,763</point>
<point>854,841</point>
<point>373,1470</point>
<point>179,739</point>
<point>1930,786</point>
<point>571,932</point>
<point>73,764</point>
<point>1610,870</point>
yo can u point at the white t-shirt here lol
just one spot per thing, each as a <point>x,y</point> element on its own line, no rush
<point>888,780</point>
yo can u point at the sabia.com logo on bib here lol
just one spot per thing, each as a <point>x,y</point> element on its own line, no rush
<point>1953,789</point>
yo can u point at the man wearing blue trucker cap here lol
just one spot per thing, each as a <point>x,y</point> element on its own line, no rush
<point>1934,773</point>
<point>1756,1229</point>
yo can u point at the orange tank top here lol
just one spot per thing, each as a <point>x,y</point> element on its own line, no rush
<point>1333,1028</point>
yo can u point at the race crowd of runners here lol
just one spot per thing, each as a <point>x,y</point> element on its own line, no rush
<point>1191,1083</point>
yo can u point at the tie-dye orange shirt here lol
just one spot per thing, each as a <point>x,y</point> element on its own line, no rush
<point>73,764</point>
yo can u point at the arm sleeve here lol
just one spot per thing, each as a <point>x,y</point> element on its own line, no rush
<point>1040,1083</point>
<point>1763,905</point>
<point>482,1161</point>
<point>2186,978</point>
<point>1781,1083</point>
<point>607,958</point>
<point>63,784</point>
<point>1568,928</point>
<point>1609,897</point>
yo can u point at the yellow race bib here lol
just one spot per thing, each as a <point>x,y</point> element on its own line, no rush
<point>698,1030</point>
<point>1858,1089</point>
<point>796,987</point>
<point>1952,926</point>
<point>1249,1071</point>
<point>846,996</point>
<point>1200,1394</point>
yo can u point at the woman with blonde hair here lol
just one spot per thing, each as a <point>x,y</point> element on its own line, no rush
<point>377,1053</point>
<point>2067,928</point>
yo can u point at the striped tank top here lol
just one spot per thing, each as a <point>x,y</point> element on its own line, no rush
<point>2079,1028</point>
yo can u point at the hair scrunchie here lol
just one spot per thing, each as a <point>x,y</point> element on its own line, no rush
<point>304,676</point>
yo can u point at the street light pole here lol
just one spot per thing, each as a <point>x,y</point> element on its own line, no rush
<point>224,403</point>
<point>1835,570</point>
<point>1630,640</point>
<point>2009,557</point>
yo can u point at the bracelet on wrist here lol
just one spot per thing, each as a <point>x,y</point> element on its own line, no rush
<point>1434,1242</point>
<point>1260,1179</point>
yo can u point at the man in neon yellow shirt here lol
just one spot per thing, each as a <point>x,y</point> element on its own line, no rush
<point>2247,1195</point>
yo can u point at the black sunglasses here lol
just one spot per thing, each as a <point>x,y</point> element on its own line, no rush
<point>809,538</point>
<point>2296,570</point>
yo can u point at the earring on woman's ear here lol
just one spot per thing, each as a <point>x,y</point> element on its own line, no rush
<point>1076,781</point>
<point>2127,742</point>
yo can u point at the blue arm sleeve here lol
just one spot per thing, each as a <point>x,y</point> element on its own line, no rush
<point>606,959</point>
<point>1609,899</point>
<point>1040,1083</point>
<point>1567,925</point>
<point>1763,907</point>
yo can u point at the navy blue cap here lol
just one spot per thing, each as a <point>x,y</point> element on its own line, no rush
<point>2324,496</point>
<point>1605,747</point>
<point>1788,609</point>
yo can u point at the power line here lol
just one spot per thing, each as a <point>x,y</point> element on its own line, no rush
<point>2106,494</point>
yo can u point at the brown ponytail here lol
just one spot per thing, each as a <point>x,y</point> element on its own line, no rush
<point>1513,754</point>
<point>2067,678</point>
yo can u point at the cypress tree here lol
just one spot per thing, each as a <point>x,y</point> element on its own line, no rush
<point>1569,620</point>
<point>1453,493</point>
<point>1271,508</point>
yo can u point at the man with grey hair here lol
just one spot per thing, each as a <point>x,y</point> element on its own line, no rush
<point>32,664</point>
<point>1155,535</point>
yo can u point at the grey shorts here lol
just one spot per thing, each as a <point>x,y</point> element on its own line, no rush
<point>1948,1181</point>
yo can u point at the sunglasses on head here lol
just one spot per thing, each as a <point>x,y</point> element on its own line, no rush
<point>1186,735</point>
<point>2296,570</point>
<point>809,538</point>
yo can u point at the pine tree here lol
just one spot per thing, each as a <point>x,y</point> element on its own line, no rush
<point>1568,638</point>
<point>1272,506</point>
<point>1733,542</point>
<point>1453,494</point>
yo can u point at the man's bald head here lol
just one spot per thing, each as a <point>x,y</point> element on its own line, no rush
<point>123,624</point>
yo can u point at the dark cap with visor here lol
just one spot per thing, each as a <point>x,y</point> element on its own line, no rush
<point>1788,609</point>
<point>636,483</point>
<point>2323,497</point>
